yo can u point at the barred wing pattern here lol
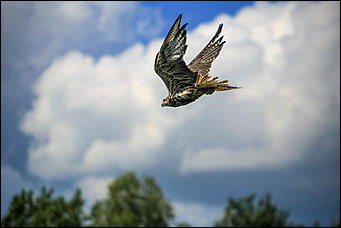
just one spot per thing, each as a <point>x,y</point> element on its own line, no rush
<point>203,61</point>
<point>169,63</point>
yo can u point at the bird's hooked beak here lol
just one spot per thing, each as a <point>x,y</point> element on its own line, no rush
<point>162,105</point>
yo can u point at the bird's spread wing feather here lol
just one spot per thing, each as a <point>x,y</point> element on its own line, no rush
<point>203,61</point>
<point>169,63</point>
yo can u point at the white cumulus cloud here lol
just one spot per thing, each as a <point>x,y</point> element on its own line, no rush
<point>44,30</point>
<point>287,56</point>
<point>95,115</point>
<point>94,188</point>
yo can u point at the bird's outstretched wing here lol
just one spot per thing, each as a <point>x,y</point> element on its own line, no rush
<point>169,63</point>
<point>203,61</point>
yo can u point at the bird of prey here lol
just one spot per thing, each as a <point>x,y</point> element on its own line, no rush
<point>185,83</point>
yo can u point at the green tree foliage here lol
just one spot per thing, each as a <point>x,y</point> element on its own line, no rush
<point>25,210</point>
<point>132,202</point>
<point>243,212</point>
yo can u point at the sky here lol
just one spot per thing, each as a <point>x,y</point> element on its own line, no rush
<point>80,104</point>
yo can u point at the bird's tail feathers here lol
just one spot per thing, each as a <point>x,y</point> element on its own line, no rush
<point>227,87</point>
<point>205,81</point>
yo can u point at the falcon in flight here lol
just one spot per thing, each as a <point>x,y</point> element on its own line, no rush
<point>185,83</point>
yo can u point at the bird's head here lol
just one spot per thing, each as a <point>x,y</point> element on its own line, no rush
<point>165,102</point>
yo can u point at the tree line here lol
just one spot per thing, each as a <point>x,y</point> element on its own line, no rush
<point>133,201</point>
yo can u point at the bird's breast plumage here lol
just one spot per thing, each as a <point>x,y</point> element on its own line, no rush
<point>185,96</point>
